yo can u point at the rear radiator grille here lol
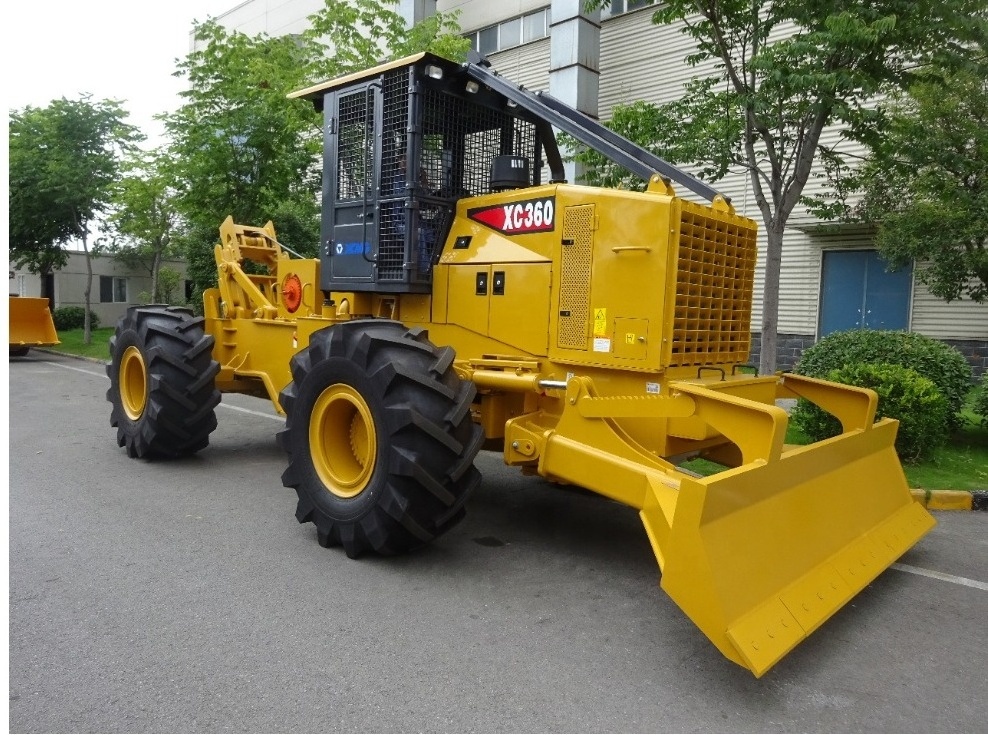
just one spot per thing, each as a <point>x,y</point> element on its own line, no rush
<point>715,277</point>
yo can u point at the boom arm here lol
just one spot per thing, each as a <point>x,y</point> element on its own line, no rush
<point>586,130</point>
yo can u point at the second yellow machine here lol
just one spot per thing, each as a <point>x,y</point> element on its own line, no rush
<point>466,297</point>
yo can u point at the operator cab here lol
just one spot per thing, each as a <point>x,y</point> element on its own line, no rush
<point>402,143</point>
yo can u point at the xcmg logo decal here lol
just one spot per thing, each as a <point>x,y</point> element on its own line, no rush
<point>518,218</point>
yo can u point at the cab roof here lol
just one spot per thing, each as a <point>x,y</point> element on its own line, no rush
<point>316,92</point>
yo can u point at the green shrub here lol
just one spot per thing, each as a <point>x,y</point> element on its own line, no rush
<point>73,317</point>
<point>903,394</point>
<point>934,360</point>
<point>981,401</point>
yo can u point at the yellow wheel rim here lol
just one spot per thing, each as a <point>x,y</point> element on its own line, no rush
<point>133,383</point>
<point>342,441</point>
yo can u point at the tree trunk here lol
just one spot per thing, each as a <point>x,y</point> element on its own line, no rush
<point>155,267</point>
<point>45,292</point>
<point>87,336</point>
<point>770,300</point>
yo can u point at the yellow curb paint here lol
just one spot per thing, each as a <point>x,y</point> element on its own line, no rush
<point>949,500</point>
<point>943,499</point>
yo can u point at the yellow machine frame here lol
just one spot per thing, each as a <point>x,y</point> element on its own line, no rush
<point>613,352</point>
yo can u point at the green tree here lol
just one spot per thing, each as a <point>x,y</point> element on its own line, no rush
<point>144,218</point>
<point>355,34</point>
<point>168,285</point>
<point>926,183</point>
<point>243,149</point>
<point>37,236</point>
<point>776,75</point>
<point>64,159</point>
<point>240,147</point>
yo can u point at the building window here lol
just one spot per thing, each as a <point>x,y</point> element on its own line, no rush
<point>510,33</point>
<point>21,284</point>
<point>534,26</point>
<point>617,7</point>
<point>487,40</point>
<point>112,290</point>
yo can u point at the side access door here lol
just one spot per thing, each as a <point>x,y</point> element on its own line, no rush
<point>350,185</point>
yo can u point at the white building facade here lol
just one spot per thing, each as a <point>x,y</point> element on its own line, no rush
<point>831,279</point>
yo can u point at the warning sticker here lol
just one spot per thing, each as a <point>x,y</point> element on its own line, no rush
<point>599,322</point>
<point>601,344</point>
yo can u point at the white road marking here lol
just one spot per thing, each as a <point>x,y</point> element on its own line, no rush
<point>941,576</point>
<point>78,370</point>
<point>222,405</point>
<point>252,412</point>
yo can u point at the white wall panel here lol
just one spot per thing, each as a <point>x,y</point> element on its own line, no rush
<point>273,17</point>
<point>476,14</point>
<point>526,65</point>
<point>934,317</point>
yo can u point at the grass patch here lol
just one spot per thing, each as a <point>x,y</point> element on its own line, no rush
<point>72,343</point>
<point>960,465</point>
<point>794,435</point>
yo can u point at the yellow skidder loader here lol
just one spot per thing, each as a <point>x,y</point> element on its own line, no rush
<point>30,325</point>
<point>597,337</point>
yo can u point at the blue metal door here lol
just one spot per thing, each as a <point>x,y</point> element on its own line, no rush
<point>859,292</point>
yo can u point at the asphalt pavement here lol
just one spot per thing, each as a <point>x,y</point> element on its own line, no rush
<point>183,596</point>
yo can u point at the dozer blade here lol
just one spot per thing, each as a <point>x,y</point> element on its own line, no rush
<point>761,555</point>
<point>31,324</point>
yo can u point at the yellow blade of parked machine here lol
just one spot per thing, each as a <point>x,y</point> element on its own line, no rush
<point>761,555</point>
<point>31,323</point>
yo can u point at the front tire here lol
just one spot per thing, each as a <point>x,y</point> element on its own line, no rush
<point>379,437</point>
<point>162,382</point>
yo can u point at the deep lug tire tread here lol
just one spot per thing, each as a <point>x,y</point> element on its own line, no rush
<point>179,413</point>
<point>427,438</point>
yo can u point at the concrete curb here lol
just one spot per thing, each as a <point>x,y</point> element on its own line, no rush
<point>952,499</point>
<point>69,354</point>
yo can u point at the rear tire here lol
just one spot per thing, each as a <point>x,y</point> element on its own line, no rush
<point>379,437</point>
<point>162,382</point>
